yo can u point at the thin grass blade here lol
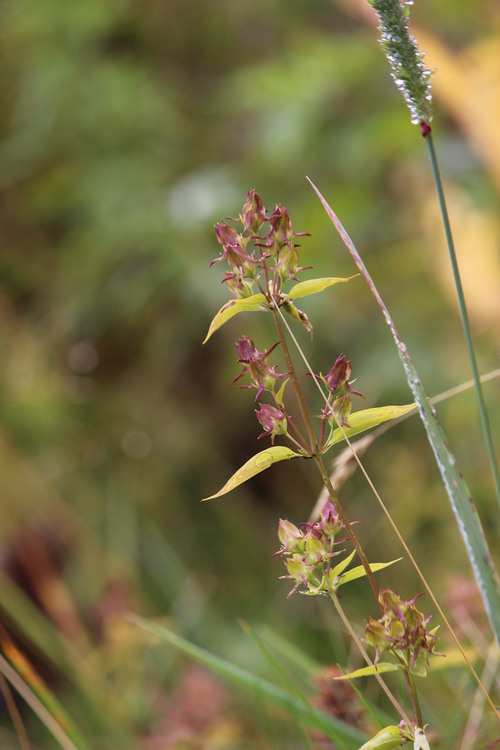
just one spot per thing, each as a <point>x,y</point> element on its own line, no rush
<point>336,730</point>
<point>456,487</point>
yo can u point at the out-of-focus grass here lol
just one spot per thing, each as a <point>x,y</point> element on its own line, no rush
<point>126,132</point>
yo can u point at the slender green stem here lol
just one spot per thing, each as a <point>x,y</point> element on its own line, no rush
<point>410,680</point>
<point>298,389</point>
<point>367,659</point>
<point>319,461</point>
<point>465,319</point>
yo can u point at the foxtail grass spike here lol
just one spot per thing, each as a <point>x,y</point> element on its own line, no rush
<point>409,72</point>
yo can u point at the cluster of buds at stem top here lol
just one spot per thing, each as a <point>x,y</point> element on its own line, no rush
<point>409,72</point>
<point>308,551</point>
<point>338,405</point>
<point>262,248</point>
<point>402,630</point>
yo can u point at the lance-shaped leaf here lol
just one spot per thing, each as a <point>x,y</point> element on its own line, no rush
<point>360,421</point>
<point>313,286</point>
<point>255,302</point>
<point>456,486</point>
<point>388,738</point>
<point>260,462</point>
<point>359,571</point>
<point>382,666</point>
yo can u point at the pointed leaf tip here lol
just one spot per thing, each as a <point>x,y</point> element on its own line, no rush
<point>260,462</point>
<point>232,308</point>
<point>359,421</point>
<point>313,286</point>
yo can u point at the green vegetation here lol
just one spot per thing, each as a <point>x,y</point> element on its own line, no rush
<point>127,130</point>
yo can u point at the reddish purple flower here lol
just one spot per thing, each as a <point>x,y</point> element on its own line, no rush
<point>272,420</point>
<point>234,250</point>
<point>254,362</point>
<point>281,232</point>
<point>338,377</point>
<point>253,214</point>
<point>328,526</point>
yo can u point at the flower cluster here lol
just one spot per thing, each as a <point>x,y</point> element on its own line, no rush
<point>272,418</point>
<point>402,630</point>
<point>253,252</point>
<point>309,550</point>
<point>262,256</point>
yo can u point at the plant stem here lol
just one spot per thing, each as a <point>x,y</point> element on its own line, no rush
<point>367,659</point>
<point>465,318</point>
<point>298,389</point>
<point>352,536</point>
<point>414,698</point>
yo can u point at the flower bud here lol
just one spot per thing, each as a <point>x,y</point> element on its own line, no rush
<point>272,420</point>
<point>290,537</point>
<point>377,636</point>
<point>253,214</point>
<point>254,362</point>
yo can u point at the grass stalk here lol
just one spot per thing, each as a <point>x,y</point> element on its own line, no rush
<point>483,413</point>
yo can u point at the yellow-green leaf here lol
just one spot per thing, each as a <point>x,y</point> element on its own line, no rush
<point>255,302</point>
<point>359,571</point>
<point>382,666</point>
<point>388,738</point>
<point>360,421</point>
<point>260,462</point>
<point>339,569</point>
<point>313,286</point>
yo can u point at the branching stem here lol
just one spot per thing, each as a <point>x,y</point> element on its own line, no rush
<point>298,389</point>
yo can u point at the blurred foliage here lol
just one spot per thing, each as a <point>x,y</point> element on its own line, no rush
<point>126,130</point>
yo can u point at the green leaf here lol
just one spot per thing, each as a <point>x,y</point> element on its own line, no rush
<point>313,286</point>
<point>255,302</point>
<point>337,730</point>
<point>359,571</point>
<point>339,569</point>
<point>260,462</point>
<point>388,738</point>
<point>382,666</point>
<point>366,419</point>
<point>453,480</point>
<point>279,395</point>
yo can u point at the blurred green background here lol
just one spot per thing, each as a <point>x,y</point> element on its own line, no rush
<point>127,130</point>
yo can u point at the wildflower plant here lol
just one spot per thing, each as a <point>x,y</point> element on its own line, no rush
<point>264,275</point>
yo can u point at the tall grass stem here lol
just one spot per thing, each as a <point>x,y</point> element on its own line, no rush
<point>483,413</point>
